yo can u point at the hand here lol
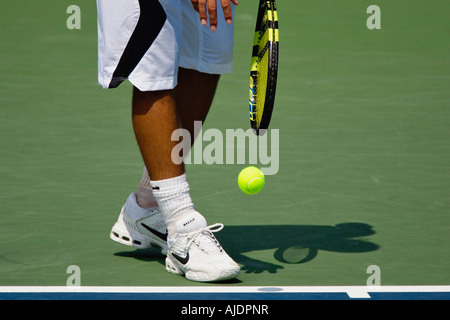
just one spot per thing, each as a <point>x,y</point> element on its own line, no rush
<point>210,6</point>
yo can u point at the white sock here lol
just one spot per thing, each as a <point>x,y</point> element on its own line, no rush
<point>174,200</point>
<point>144,193</point>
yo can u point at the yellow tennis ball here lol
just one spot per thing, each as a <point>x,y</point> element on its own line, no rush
<point>251,180</point>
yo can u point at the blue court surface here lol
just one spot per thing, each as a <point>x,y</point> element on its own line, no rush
<point>227,293</point>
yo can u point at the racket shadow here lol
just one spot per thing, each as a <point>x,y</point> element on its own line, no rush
<point>292,244</point>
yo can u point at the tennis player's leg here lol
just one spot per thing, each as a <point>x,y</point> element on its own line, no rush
<point>158,114</point>
<point>194,95</point>
<point>155,115</point>
<point>193,99</point>
<point>193,250</point>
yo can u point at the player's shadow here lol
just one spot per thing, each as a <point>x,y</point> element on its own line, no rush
<point>293,244</point>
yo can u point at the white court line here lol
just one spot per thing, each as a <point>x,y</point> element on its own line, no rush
<point>352,291</point>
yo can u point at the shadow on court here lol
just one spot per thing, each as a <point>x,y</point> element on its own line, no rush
<point>293,244</point>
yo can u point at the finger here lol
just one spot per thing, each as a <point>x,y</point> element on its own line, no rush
<point>202,11</point>
<point>226,6</point>
<point>195,4</point>
<point>212,10</point>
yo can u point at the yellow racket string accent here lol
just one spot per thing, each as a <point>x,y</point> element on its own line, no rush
<point>261,85</point>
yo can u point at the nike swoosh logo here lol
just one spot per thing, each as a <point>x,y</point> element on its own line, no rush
<point>181,259</point>
<point>162,236</point>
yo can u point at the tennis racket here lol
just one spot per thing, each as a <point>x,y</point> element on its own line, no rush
<point>264,67</point>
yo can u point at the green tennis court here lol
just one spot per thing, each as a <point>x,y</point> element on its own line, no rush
<point>364,151</point>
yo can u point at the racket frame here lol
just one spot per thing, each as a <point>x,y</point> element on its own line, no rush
<point>267,21</point>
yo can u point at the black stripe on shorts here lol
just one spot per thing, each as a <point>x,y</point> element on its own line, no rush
<point>150,23</point>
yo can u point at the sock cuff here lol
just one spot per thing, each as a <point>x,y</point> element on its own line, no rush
<point>169,185</point>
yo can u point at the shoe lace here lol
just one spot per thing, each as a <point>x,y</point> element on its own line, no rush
<point>211,242</point>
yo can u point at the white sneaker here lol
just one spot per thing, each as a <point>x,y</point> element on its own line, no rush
<point>140,228</point>
<point>195,253</point>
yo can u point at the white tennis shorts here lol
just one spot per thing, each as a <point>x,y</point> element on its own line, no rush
<point>146,41</point>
